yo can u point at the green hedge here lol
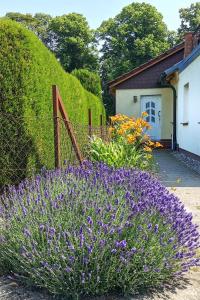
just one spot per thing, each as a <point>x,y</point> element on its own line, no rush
<point>27,71</point>
<point>89,80</point>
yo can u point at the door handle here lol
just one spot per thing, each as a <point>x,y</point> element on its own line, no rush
<point>159,115</point>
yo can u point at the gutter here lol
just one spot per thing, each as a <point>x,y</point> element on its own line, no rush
<point>166,84</point>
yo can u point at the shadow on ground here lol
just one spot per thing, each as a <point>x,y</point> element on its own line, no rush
<point>174,173</point>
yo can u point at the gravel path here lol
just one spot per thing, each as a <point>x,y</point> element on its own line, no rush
<point>188,161</point>
<point>10,290</point>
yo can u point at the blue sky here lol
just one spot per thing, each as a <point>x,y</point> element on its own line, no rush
<point>95,10</point>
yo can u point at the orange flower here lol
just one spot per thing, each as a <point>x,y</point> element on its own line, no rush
<point>130,138</point>
<point>147,149</point>
<point>120,131</point>
<point>145,137</point>
<point>148,156</point>
<point>150,143</point>
<point>144,114</point>
<point>111,129</point>
<point>148,126</point>
<point>138,132</point>
<point>158,145</point>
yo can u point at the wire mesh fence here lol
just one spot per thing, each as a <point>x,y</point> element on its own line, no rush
<point>27,145</point>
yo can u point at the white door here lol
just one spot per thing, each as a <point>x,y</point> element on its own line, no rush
<point>152,105</point>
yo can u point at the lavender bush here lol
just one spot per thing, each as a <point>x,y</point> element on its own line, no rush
<point>91,230</point>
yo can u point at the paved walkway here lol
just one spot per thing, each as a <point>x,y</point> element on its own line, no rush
<point>180,180</point>
<point>185,183</point>
<point>174,173</point>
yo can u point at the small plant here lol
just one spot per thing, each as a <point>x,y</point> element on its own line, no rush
<point>92,230</point>
<point>129,145</point>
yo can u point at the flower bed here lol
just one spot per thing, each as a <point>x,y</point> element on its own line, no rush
<point>91,230</point>
<point>129,145</point>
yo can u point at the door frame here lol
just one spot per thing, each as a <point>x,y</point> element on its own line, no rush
<point>141,104</point>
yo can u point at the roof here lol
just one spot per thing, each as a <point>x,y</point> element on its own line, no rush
<point>183,64</point>
<point>146,65</point>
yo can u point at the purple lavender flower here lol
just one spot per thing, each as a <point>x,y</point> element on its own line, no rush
<point>90,215</point>
<point>68,269</point>
<point>146,269</point>
<point>44,264</point>
<point>90,221</point>
<point>24,210</point>
<point>51,231</point>
<point>83,277</point>
<point>133,250</point>
<point>102,243</point>
<point>90,249</point>
<point>27,233</point>
<point>113,251</point>
<point>81,240</point>
<point>156,228</point>
<point>41,227</point>
<point>121,244</point>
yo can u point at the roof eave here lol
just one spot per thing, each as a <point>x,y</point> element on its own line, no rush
<point>141,68</point>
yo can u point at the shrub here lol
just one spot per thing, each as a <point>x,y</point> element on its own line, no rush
<point>129,145</point>
<point>90,81</point>
<point>91,230</point>
<point>28,70</point>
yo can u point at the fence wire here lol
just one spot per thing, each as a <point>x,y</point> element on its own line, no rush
<point>27,146</point>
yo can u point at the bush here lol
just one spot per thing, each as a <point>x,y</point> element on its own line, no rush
<point>129,144</point>
<point>27,71</point>
<point>90,81</point>
<point>91,230</point>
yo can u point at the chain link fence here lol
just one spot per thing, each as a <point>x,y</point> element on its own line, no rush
<point>27,145</point>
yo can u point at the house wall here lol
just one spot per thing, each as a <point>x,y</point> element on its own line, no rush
<point>125,105</point>
<point>188,136</point>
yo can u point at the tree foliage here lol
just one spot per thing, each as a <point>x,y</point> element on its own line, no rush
<point>190,18</point>
<point>68,36</point>
<point>135,35</point>
<point>74,42</point>
<point>38,23</point>
<point>90,81</point>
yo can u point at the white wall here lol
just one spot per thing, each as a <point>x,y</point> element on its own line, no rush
<point>126,106</point>
<point>188,137</point>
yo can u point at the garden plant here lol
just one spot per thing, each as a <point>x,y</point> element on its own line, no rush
<point>93,230</point>
<point>28,71</point>
<point>129,144</point>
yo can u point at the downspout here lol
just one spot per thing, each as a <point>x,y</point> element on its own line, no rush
<point>166,84</point>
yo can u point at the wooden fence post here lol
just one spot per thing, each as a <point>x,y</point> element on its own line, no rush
<point>101,125</point>
<point>90,122</point>
<point>56,126</point>
<point>59,107</point>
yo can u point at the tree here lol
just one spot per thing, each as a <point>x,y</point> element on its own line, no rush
<point>38,23</point>
<point>134,36</point>
<point>68,36</point>
<point>190,18</point>
<point>173,38</point>
<point>74,43</point>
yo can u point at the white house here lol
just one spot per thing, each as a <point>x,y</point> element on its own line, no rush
<point>186,78</point>
<point>168,89</point>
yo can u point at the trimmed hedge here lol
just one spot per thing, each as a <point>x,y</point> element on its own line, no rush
<point>27,71</point>
<point>90,81</point>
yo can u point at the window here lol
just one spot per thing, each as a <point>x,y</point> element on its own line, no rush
<point>186,104</point>
<point>150,109</point>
